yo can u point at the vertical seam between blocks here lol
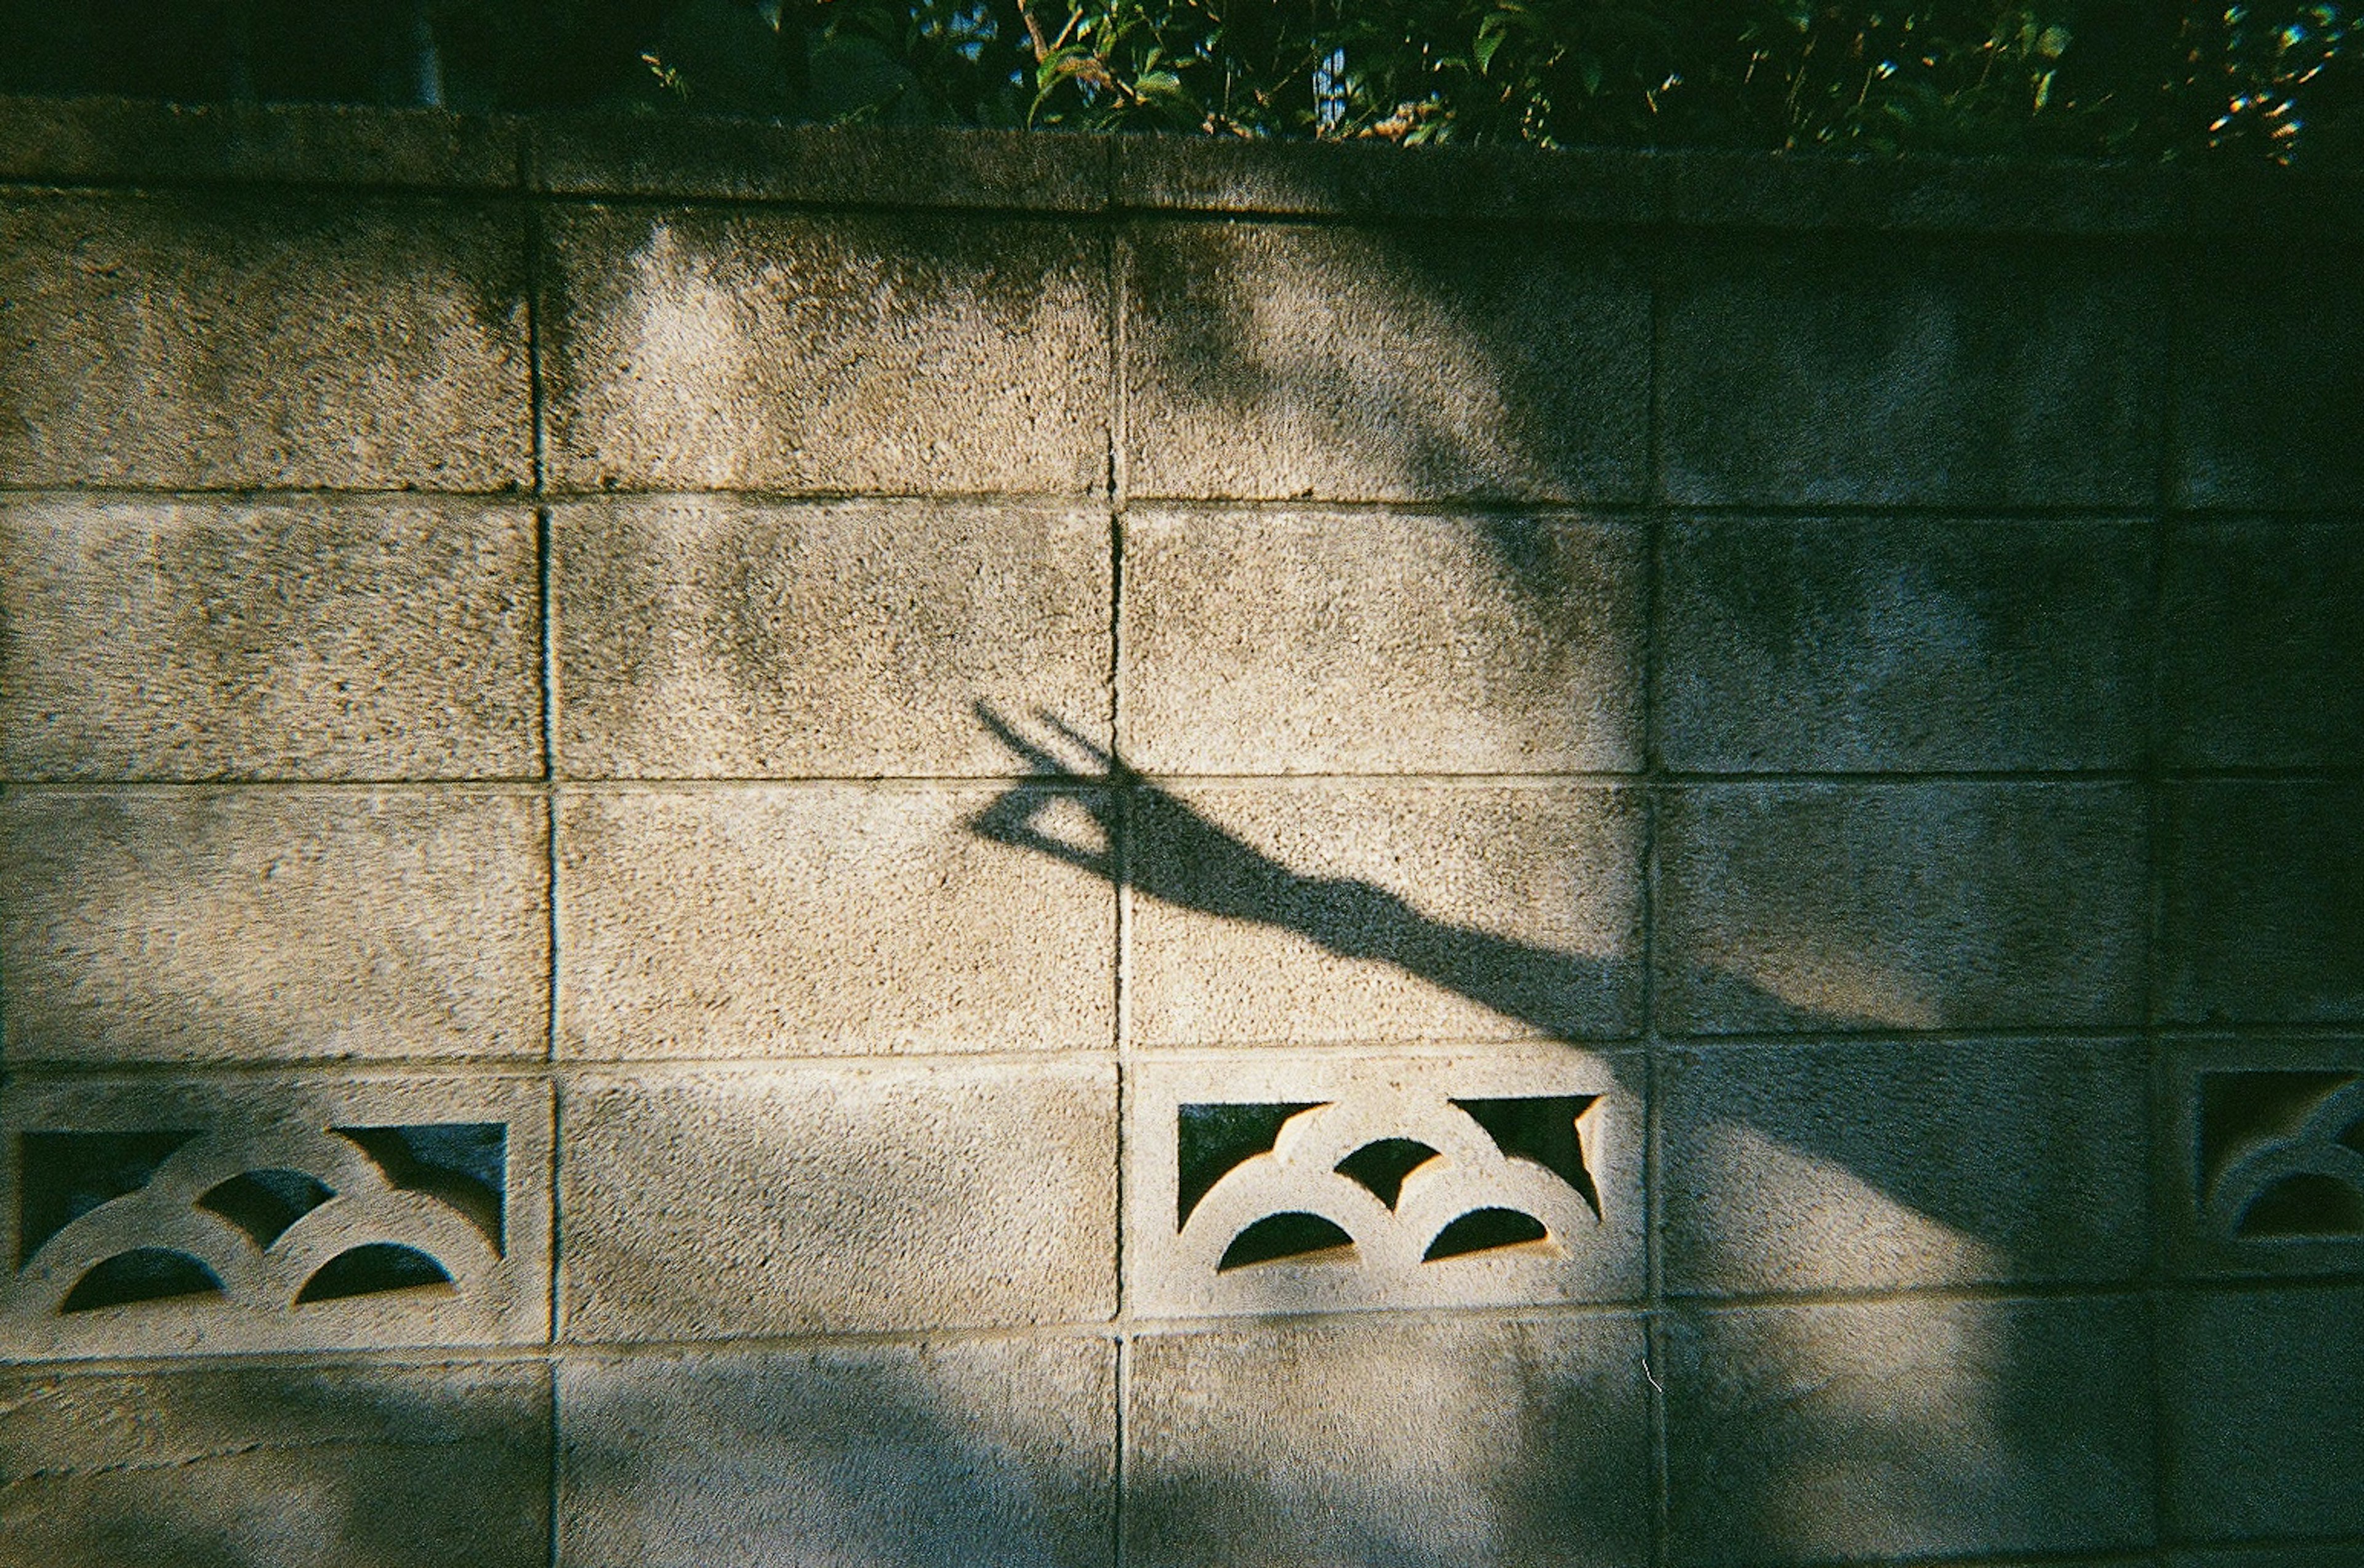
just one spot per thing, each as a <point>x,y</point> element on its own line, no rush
<point>1654,546</point>
<point>1116,266</point>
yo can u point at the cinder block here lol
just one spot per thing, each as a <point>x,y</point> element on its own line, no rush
<point>1382,911</point>
<point>839,1198</point>
<point>217,341</point>
<point>1887,1166</point>
<point>706,349</point>
<point>1859,371</point>
<point>705,637</point>
<point>1281,1184</point>
<point>251,924</point>
<point>2264,649</point>
<point>962,1452</point>
<point>2265,1410</point>
<point>2342,1555</point>
<point>1901,906</point>
<point>2265,902</point>
<point>404,1466</point>
<point>1425,1441</point>
<point>161,1217</point>
<point>794,919</point>
<point>1307,642</point>
<point>1282,362</point>
<point>2266,1164</point>
<point>2257,301</point>
<point>1860,643</point>
<point>1370,179</point>
<point>1907,1429</point>
<point>300,638</point>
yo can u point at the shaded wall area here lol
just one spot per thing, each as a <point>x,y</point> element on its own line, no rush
<point>725,843</point>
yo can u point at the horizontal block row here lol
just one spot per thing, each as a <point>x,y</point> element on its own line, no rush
<point>256,925</point>
<point>156,1218</point>
<point>1794,1435</point>
<point>707,637</point>
<point>374,343</point>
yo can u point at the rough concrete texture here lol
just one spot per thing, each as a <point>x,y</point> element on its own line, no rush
<point>1418,1441</point>
<point>216,341</point>
<point>1883,1166</point>
<point>1307,642</point>
<point>306,638</point>
<point>251,925</point>
<point>968,1451</point>
<point>1873,643</point>
<point>275,1466</point>
<point>1888,196</point>
<point>703,637</point>
<point>1875,370</point>
<point>2265,902</point>
<point>281,1211</point>
<point>1594,1224</point>
<point>1900,905</point>
<point>790,920</point>
<point>2264,1173</point>
<point>1268,362</point>
<point>2255,300</point>
<point>2265,1394</point>
<point>1382,911</point>
<point>1907,1429</point>
<point>97,141</point>
<point>2263,650</point>
<point>707,349</point>
<point>836,1198</point>
<point>1367,179</point>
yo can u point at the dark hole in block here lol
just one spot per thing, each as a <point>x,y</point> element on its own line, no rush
<point>263,1204</point>
<point>1485,1230</point>
<point>61,1176</point>
<point>1213,1141</point>
<point>464,1164</point>
<point>2304,1204</point>
<point>370,1270</point>
<point>1545,1128</point>
<point>144,1273</point>
<point>2241,1112</point>
<point>1383,1165</point>
<point>1298,1238</point>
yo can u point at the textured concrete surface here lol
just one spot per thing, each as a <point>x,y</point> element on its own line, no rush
<point>308,638</point>
<point>253,925</point>
<point>2263,648</point>
<point>1871,371</point>
<point>702,638</point>
<point>2265,902</point>
<point>2264,1414</point>
<point>2255,300</point>
<point>98,141</point>
<point>1887,1166</point>
<point>766,350</point>
<point>97,1169</point>
<point>1900,905</point>
<point>1842,643</point>
<point>1592,1248</point>
<point>1339,910</point>
<point>276,1466</point>
<point>962,1451</point>
<point>1368,179</point>
<point>223,342</point>
<point>1276,363</point>
<point>816,1198</point>
<point>1289,642</point>
<point>752,921</point>
<point>1423,1442</point>
<point>1907,1429</point>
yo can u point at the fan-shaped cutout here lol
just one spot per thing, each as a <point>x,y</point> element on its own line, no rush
<point>2304,1204</point>
<point>64,1175</point>
<point>144,1273</point>
<point>263,1204</point>
<point>464,1164</point>
<point>372,1270</point>
<point>2240,1112</point>
<point>1213,1141</point>
<point>1486,1231</point>
<point>2354,1136</point>
<point>1545,1128</point>
<point>1294,1236</point>
<point>1382,1164</point>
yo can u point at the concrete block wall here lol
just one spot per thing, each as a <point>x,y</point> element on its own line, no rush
<point>724,843</point>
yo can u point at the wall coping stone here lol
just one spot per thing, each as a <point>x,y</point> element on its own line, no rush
<point>122,142</point>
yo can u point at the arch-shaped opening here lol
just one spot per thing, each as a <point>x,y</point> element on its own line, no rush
<point>372,1270</point>
<point>143,1274</point>
<point>1294,1237</point>
<point>1486,1231</point>
<point>263,1204</point>
<point>2305,1205</point>
<point>1383,1163</point>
